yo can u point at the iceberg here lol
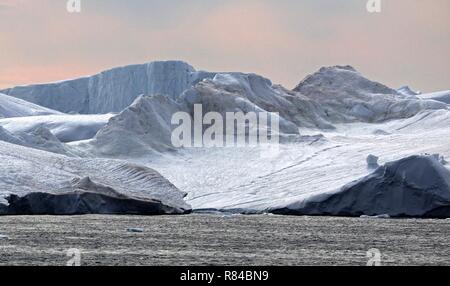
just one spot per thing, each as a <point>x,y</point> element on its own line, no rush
<point>416,186</point>
<point>112,90</point>
<point>61,184</point>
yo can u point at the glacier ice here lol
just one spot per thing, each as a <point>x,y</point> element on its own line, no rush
<point>112,90</point>
<point>341,116</point>
<point>15,107</point>
<point>66,127</point>
<point>442,96</point>
<point>38,137</point>
<point>347,96</point>
<point>86,197</point>
<point>25,170</point>
<point>144,128</point>
<point>406,90</point>
<point>416,186</point>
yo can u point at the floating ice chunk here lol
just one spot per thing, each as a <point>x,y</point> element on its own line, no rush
<point>135,230</point>
<point>383,216</point>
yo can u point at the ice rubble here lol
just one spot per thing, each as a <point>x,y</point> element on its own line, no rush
<point>416,186</point>
<point>14,107</point>
<point>60,178</point>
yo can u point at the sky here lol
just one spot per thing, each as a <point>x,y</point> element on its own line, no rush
<point>408,43</point>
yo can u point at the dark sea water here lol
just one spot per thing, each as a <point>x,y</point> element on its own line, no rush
<point>222,240</point>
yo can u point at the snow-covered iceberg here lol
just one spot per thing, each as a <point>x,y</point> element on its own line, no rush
<point>86,197</point>
<point>341,115</point>
<point>416,186</point>
<point>24,170</point>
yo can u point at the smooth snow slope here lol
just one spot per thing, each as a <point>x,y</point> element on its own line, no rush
<point>24,170</point>
<point>349,116</point>
<point>67,128</point>
<point>14,107</point>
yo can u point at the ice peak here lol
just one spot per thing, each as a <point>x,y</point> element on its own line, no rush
<point>406,90</point>
<point>338,67</point>
<point>342,79</point>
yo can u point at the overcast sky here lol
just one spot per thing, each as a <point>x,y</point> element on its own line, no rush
<point>407,43</point>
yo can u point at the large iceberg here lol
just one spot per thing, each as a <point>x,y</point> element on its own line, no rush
<point>347,96</point>
<point>86,197</point>
<point>126,113</point>
<point>25,170</point>
<point>416,186</point>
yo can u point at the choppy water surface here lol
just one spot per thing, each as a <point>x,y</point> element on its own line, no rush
<point>222,240</point>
